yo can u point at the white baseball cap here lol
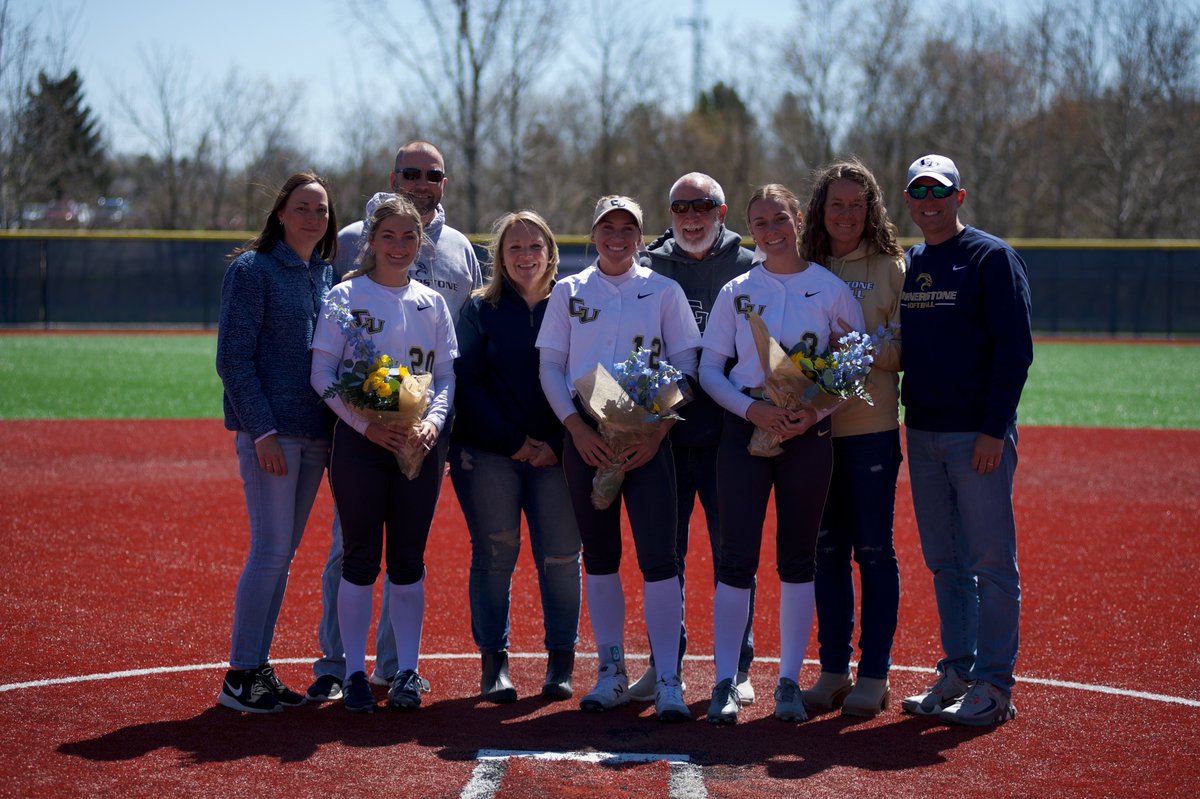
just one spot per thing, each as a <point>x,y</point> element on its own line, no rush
<point>615,202</point>
<point>938,167</point>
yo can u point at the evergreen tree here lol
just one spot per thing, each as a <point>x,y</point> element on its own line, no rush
<point>61,141</point>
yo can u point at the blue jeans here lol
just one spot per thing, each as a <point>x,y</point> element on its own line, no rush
<point>278,508</point>
<point>329,633</point>
<point>969,539</point>
<point>493,490</point>
<point>696,476</point>
<point>858,521</point>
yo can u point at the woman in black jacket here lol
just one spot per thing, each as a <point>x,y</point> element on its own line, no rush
<point>506,458</point>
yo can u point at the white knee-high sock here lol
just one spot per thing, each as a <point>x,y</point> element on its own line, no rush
<point>663,608</point>
<point>354,607</point>
<point>408,616</point>
<point>795,626</point>
<point>606,607</point>
<point>731,608</point>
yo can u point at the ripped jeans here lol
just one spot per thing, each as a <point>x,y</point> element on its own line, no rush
<point>493,491</point>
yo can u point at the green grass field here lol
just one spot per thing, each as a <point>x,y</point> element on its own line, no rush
<point>169,376</point>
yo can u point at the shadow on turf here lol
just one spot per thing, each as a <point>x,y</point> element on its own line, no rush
<point>456,729</point>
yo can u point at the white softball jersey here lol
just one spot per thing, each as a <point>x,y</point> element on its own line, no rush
<point>804,307</point>
<point>410,324</point>
<point>599,319</point>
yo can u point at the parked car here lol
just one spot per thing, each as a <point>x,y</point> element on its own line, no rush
<point>110,212</point>
<point>67,214</point>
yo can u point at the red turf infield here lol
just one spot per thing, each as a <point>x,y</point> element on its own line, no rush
<point>121,543</point>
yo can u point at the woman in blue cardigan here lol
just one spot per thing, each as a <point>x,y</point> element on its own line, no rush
<point>270,299</point>
<point>505,458</point>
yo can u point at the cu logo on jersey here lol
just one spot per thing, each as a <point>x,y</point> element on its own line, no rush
<point>367,322</point>
<point>924,281</point>
<point>743,306</point>
<point>699,313</point>
<point>584,313</point>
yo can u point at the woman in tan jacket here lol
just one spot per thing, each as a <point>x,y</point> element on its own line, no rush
<point>847,230</point>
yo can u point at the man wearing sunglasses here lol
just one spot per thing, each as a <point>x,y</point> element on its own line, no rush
<point>702,255</point>
<point>965,313</point>
<point>446,263</point>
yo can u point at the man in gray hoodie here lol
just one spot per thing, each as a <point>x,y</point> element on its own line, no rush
<point>702,255</point>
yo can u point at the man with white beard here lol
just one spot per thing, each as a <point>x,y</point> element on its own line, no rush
<point>702,255</point>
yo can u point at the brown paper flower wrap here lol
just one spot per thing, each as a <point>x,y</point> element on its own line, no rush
<point>785,386</point>
<point>412,400</point>
<point>623,424</point>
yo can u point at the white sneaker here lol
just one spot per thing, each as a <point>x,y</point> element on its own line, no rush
<point>744,688</point>
<point>644,689</point>
<point>612,690</point>
<point>668,700</point>
<point>946,691</point>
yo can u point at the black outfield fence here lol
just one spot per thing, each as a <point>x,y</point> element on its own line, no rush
<point>53,280</point>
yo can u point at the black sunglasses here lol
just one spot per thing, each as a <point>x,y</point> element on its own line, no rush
<point>939,192</point>
<point>412,173</point>
<point>701,206</point>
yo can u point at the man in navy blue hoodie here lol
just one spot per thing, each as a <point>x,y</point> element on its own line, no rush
<point>965,313</point>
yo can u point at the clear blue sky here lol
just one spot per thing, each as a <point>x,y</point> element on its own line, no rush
<point>110,37</point>
<point>313,43</point>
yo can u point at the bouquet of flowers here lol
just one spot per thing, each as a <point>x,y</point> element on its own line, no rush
<point>379,391</point>
<point>803,380</point>
<point>628,403</point>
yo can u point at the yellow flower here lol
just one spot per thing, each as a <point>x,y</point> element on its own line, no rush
<point>383,361</point>
<point>403,373</point>
<point>819,364</point>
<point>384,390</point>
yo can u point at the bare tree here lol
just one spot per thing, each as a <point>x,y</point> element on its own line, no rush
<point>531,36</point>
<point>465,37</point>
<point>40,44</point>
<point>178,134</point>
<point>17,67</point>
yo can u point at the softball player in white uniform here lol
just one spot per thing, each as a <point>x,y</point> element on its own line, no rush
<point>800,302</point>
<point>600,316</point>
<point>411,323</point>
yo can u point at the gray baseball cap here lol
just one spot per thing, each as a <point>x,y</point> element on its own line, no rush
<point>938,167</point>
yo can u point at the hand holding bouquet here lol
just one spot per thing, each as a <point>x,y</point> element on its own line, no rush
<point>383,393</point>
<point>801,380</point>
<point>630,403</point>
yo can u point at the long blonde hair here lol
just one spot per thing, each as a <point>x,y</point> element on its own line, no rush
<point>396,205</point>
<point>492,290</point>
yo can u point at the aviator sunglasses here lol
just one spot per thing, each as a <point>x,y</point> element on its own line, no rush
<point>412,173</point>
<point>701,206</point>
<point>939,192</point>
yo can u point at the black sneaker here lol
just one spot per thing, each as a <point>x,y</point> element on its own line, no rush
<point>284,695</point>
<point>325,688</point>
<point>356,694</point>
<point>243,690</point>
<point>407,688</point>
